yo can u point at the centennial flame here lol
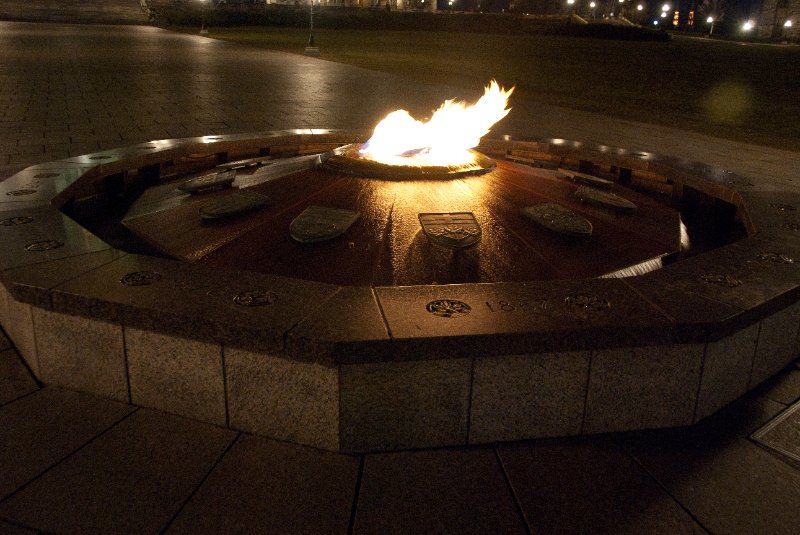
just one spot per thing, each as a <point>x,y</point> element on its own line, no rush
<point>445,139</point>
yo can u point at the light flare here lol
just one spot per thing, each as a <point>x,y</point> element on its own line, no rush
<point>445,139</point>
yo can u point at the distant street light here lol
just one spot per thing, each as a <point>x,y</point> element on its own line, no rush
<point>665,8</point>
<point>787,24</point>
<point>203,30</point>
<point>747,26</point>
<point>640,7</point>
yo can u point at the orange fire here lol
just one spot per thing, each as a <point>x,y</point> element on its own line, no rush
<point>445,139</point>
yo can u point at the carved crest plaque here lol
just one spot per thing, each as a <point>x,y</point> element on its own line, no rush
<point>454,230</point>
<point>583,178</point>
<point>604,199</point>
<point>558,219</point>
<point>212,181</point>
<point>319,223</point>
<point>233,204</point>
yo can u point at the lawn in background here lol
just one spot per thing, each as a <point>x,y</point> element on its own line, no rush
<point>747,92</point>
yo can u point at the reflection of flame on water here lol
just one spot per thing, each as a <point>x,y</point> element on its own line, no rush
<point>445,139</point>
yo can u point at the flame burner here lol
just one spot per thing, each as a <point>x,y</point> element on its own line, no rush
<point>351,160</point>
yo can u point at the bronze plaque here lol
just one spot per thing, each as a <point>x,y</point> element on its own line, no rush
<point>320,223</point>
<point>233,204</point>
<point>212,181</point>
<point>559,219</point>
<point>604,199</point>
<point>454,230</point>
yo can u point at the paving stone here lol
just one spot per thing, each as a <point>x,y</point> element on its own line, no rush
<point>589,485</point>
<point>132,479</point>
<point>726,370</point>
<point>82,354</point>
<point>263,486</point>
<point>15,379</point>
<point>528,396</point>
<point>12,529</point>
<point>733,486</point>
<point>284,399</point>
<point>459,491</point>
<point>395,405</point>
<point>176,375</point>
<point>784,388</point>
<point>39,430</point>
<point>643,387</point>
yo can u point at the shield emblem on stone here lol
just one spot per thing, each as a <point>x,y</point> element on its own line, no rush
<point>212,181</point>
<point>604,199</point>
<point>585,179</point>
<point>319,223</point>
<point>454,230</point>
<point>558,219</point>
<point>233,204</point>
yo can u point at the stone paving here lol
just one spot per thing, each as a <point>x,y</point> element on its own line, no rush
<point>73,463</point>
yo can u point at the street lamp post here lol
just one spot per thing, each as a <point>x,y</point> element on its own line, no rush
<point>311,49</point>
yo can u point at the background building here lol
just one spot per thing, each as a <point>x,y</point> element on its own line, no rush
<point>779,20</point>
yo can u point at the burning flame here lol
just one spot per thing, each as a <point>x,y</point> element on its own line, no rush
<point>445,139</point>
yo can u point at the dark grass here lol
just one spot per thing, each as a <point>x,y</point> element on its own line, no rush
<point>745,92</point>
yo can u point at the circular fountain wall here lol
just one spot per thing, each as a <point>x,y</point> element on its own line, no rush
<point>316,343</point>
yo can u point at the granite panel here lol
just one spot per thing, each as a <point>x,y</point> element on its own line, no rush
<point>589,485</point>
<point>32,284</point>
<point>363,337</point>
<point>15,379</point>
<point>284,399</point>
<point>696,318</point>
<point>404,404</point>
<point>635,388</point>
<point>448,491</point>
<point>176,375</point>
<point>745,274</point>
<point>29,447</point>
<point>518,318</point>
<point>20,329</point>
<point>81,353</point>
<point>3,305</point>
<point>726,370</point>
<point>48,236</point>
<point>528,396</point>
<point>39,183</point>
<point>777,343</point>
<point>132,479</point>
<point>263,486</point>
<point>247,310</point>
<point>774,214</point>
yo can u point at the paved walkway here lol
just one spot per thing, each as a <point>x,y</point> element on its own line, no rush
<point>72,463</point>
